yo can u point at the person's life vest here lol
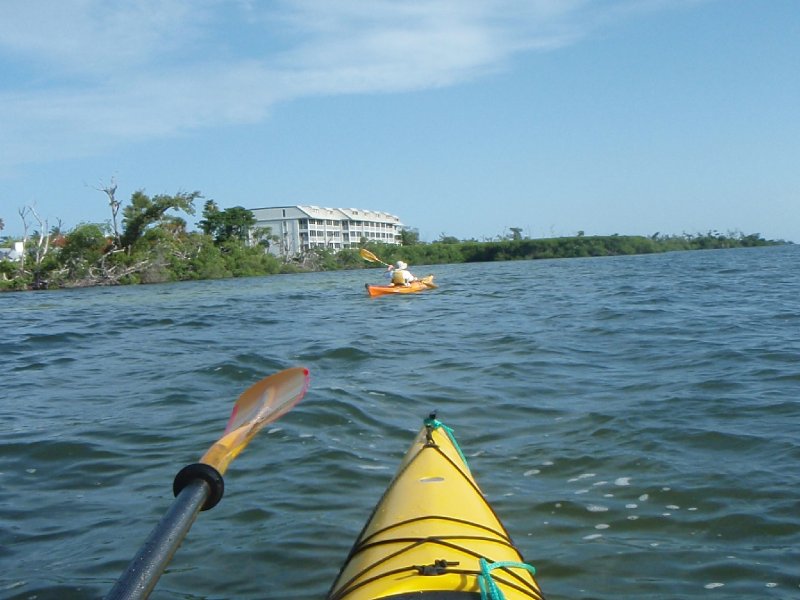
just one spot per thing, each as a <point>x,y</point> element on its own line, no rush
<point>397,278</point>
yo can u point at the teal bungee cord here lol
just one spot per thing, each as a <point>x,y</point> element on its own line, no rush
<point>489,589</point>
<point>488,586</point>
<point>435,423</point>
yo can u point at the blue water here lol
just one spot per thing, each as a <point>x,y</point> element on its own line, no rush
<point>635,421</point>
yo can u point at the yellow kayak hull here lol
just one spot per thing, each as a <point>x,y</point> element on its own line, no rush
<point>419,285</point>
<point>433,535</point>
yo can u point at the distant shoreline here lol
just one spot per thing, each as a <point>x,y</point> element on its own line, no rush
<point>105,267</point>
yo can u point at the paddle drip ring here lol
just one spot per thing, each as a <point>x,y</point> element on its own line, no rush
<point>207,473</point>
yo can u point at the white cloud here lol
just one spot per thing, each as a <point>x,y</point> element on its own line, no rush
<point>89,73</point>
<point>91,37</point>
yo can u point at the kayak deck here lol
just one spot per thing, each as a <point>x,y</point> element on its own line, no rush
<point>434,536</point>
<point>419,285</point>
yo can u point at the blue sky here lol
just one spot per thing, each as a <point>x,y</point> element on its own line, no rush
<point>463,117</point>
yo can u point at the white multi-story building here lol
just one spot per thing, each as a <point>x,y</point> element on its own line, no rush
<point>300,228</point>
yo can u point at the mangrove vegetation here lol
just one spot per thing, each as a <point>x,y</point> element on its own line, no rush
<point>151,243</point>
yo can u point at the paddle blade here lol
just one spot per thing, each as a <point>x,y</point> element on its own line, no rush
<point>262,403</point>
<point>367,255</point>
<point>427,281</point>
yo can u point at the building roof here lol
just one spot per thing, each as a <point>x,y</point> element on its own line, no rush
<point>340,214</point>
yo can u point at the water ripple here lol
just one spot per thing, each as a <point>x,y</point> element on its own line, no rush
<point>632,420</point>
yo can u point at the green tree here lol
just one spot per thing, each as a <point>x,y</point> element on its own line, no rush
<point>211,218</point>
<point>236,224</point>
<point>409,237</point>
<point>230,224</point>
<point>247,261</point>
<point>84,247</point>
<point>143,213</point>
<point>349,259</point>
<point>207,261</point>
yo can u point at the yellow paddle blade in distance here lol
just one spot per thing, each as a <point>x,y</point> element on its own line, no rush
<point>367,255</point>
<point>427,281</point>
<point>262,403</point>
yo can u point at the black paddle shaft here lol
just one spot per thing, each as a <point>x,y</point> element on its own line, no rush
<point>195,491</point>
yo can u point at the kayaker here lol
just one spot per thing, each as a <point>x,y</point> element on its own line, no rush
<point>399,274</point>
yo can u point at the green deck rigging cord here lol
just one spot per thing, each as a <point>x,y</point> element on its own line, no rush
<point>489,589</point>
<point>435,423</point>
<point>487,584</point>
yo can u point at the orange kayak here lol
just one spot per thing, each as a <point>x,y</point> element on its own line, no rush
<point>420,285</point>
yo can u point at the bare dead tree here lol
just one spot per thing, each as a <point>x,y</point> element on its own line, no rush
<point>110,190</point>
<point>41,247</point>
<point>102,275</point>
<point>43,241</point>
<point>23,214</point>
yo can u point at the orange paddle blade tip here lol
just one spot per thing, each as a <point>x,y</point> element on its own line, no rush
<point>262,403</point>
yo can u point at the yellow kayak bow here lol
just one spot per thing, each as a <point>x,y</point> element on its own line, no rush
<point>433,535</point>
